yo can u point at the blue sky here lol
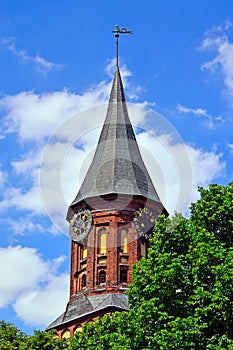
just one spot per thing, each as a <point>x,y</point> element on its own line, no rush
<point>56,68</point>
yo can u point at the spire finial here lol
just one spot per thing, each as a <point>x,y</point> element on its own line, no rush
<point>117,32</point>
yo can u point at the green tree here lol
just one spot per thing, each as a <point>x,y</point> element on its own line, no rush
<point>46,341</point>
<point>181,296</point>
<point>186,284</point>
<point>187,280</point>
<point>214,212</point>
<point>109,332</point>
<point>11,338</point>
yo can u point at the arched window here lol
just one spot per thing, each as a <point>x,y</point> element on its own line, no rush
<point>66,334</point>
<point>123,275</point>
<point>78,329</point>
<point>84,280</point>
<point>102,277</point>
<point>102,240</point>
<point>124,241</point>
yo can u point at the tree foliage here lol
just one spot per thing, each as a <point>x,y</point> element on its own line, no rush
<point>11,338</point>
<point>109,332</point>
<point>181,296</point>
<point>214,212</point>
<point>46,341</point>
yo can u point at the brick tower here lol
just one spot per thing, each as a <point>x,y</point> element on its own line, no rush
<point>110,219</point>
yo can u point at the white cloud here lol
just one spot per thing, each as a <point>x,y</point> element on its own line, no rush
<point>31,285</point>
<point>230,146</point>
<point>47,303</point>
<point>23,199</point>
<point>206,167</point>
<point>177,169</point>
<point>207,119</point>
<point>23,225</point>
<point>26,162</point>
<point>2,179</point>
<point>218,42</point>
<point>34,117</point>
<point>28,195</point>
<point>221,28</point>
<point>198,111</point>
<point>20,268</point>
<point>41,64</point>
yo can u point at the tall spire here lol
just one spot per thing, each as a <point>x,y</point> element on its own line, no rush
<point>117,167</point>
<point>112,214</point>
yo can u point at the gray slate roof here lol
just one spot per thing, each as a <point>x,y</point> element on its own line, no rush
<point>88,305</point>
<point>117,166</point>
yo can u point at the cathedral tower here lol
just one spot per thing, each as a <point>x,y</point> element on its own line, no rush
<point>111,218</point>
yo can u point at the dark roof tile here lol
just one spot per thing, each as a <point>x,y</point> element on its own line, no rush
<point>85,306</point>
<point>117,166</point>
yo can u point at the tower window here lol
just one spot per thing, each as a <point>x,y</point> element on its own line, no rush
<point>83,252</point>
<point>124,241</point>
<point>123,275</point>
<point>84,280</point>
<point>102,277</point>
<point>102,238</point>
<point>143,248</point>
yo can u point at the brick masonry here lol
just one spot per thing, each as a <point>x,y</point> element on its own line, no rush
<point>112,261</point>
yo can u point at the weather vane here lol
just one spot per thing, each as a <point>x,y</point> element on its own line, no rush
<point>117,32</point>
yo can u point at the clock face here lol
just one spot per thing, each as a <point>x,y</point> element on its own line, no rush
<point>80,225</point>
<point>144,222</point>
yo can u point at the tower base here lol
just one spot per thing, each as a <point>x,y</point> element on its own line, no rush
<point>82,308</point>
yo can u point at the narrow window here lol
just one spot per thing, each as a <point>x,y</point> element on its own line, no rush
<point>124,241</point>
<point>84,252</point>
<point>102,277</point>
<point>102,241</point>
<point>123,275</point>
<point>84,280</point>
<point>143,248</point>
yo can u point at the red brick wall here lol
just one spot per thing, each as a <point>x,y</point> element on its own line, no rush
<point>113,220</point>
